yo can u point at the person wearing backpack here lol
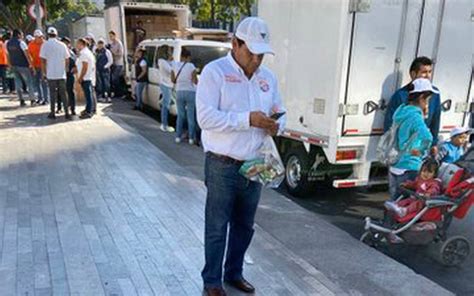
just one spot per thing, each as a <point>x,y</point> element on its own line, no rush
<point>413,136</point>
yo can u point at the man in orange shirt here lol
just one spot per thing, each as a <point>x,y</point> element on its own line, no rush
<point>3,66</point>
<point>40,83</point>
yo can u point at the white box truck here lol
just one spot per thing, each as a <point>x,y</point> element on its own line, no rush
<point>158,20</point>
<point>339,62</point>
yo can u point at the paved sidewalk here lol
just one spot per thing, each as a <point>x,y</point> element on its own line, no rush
<point>92,208</point>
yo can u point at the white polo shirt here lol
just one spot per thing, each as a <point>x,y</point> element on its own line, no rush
<point>225,97</point>
<point>85,55</point>
<point>55,53</point>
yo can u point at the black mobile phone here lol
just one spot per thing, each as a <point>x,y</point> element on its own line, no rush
<point>277,116</point>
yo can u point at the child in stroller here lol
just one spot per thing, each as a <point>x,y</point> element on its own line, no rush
<point>429,225</point>
<point>426,184</point>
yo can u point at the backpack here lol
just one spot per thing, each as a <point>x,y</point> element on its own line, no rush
<point>388,152</point>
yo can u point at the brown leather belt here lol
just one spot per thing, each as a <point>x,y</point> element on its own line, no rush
<point>226,159</point>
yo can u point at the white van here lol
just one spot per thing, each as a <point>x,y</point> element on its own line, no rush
<point>202,52</point>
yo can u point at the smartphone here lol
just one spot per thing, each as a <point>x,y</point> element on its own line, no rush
<point>277,116</point>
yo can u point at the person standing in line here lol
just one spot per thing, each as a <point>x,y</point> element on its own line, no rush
<point>141,73</point>
<point>85,65</point>
<point>20,61</point>
<point>184,76</point>
<point>116,47</point>
<point>41,85</point>
<point>165,66</point>
<point>3,66</point>
<point>55,63</point>
<point>235,99</point>
<point>70,76</point>
<point>104,61</point>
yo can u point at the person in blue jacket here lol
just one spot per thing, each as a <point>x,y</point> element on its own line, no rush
<point>414,137</point>
<point>421,67</point>
<point>451,151</point>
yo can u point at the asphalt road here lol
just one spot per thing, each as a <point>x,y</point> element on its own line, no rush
<point>344,208</point>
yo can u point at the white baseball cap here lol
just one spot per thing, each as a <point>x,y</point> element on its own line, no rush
<point>52,31</point>
<point>422,85</point>
<point>37,33</point>
<point>254,32</point>
<point>29,37</point>
<point>459,131</point>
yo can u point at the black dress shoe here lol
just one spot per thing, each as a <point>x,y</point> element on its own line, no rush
<point>242,285</point>
<point>214,292</point>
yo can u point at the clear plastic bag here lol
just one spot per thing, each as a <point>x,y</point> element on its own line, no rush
<point>268,169</point>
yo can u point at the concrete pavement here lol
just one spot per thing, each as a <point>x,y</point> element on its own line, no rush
<point>93,208</point>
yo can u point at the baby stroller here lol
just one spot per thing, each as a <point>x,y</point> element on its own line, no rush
<point>429,226</point>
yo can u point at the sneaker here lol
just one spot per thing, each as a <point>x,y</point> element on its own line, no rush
<point>44,103</point>
<point>52,115</point>
<point>393,207</point>
<point>191,142</point>
<point>85,116</point>
<point>73,113</point>
<point>33,103</point>
<point>59,111</point>
<point>22,103</point>
<point>167,129</point>
<point>177,140</point>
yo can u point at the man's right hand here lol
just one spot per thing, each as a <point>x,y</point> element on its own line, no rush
<point>261,120</point>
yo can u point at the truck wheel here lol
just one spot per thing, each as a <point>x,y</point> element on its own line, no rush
<point>296,172</point>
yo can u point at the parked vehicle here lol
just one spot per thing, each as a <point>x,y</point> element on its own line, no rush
<point>158,20</point>
<point>202,52</point>
<point>339,62</point>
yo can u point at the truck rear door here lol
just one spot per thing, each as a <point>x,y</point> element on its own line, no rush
<point>453,56</point>
<point>383,42</point>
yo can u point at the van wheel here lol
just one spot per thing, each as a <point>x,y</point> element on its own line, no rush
<point>297,166</point>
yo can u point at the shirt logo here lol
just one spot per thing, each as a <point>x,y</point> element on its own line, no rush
<point>232,79</point>
<point>264,85</point>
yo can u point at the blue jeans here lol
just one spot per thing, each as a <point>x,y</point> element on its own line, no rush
<point>165,104</point>
<point>103,82</point>
<point>3,77</point>
<point>139,88</point>
<point>23,74</point>
<point>232,202</point>
<point>70,92</point>
<point>87,88</point>
<point>186,103</point>
<point>41,85</point>
<point>394,182</point>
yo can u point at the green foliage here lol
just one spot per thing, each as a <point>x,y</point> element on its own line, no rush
<point>13,13</point>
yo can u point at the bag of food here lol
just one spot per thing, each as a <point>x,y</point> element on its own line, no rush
<point>268,168</point>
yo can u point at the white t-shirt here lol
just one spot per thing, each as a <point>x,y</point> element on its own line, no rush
<point>143,63</point>
<point>185,78</point>
<point>165,72</point>
<point>55,53</point>
<point>86,56</point>
<point>23,45</point>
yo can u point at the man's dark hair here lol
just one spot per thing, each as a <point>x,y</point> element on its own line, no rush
<point>112,32</point>
<point>185,53</point>
<point>82,41</point>
<point>419,62</point>
<point>17,33</point>
<point>66,40</point>
<point>240,42</point>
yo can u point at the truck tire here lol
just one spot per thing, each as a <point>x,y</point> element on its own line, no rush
<point>297,166</point>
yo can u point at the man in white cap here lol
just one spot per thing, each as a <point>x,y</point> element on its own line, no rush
<point>39,81</point>
<point>236,98</point>
<point>55,61</point>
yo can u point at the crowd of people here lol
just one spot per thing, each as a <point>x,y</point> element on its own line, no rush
<point>53,70</point>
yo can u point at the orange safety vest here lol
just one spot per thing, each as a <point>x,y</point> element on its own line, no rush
<point>3,54</point>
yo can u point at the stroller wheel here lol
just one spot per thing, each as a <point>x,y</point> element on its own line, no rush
<point>368,239</point>
<point>454,251</point>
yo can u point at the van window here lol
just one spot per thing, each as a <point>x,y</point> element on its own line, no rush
<point>150,54</point>
<point>162,53</point>
<point>202,55</point>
